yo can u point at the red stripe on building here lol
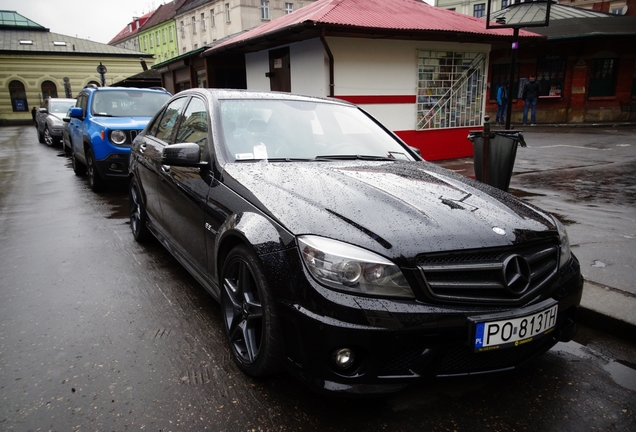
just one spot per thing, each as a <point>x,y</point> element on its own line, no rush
<point>377,99</point>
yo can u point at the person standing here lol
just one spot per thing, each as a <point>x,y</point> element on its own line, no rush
<point>33,113</point>
<point>530,95</point>
<point>502,102</point>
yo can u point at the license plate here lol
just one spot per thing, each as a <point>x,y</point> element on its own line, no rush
<point>497,331</point>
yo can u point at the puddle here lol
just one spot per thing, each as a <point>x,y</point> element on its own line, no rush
<point>623,373</point>
<point>624,376</point>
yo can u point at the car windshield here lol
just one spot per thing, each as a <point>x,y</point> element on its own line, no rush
<point>259,129</point>
<point>61,106</point>
<point>128,103</point>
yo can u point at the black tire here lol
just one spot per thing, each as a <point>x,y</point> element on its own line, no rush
<point>48,139</point>
<point>78,168</point>
<point>94,179</point>
<point>249,318</point>
<point>137,212</point>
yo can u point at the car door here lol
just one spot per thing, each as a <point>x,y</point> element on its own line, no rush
<point>75,126</point>
<point>147,156</point>
<point>184,189</point>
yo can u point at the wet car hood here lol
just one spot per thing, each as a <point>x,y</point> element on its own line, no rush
<point>121,122</point>
<point>398,209</point>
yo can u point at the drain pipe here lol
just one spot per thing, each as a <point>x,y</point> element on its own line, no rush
<point>330,56</point>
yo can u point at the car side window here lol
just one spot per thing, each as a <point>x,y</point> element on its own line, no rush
<point>166,123</point>
<point>82,102</point>
<point>194,126</point>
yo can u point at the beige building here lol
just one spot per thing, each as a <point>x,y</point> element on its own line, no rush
<point>36,64</point>
<point>201,22</point>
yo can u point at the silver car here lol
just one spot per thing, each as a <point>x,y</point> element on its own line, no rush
<point>48,120</point>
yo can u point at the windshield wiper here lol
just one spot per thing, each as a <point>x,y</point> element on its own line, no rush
<point>355,157</point>
<point>281,159</point>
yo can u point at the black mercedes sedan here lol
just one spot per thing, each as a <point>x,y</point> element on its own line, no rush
<point>338,254</point>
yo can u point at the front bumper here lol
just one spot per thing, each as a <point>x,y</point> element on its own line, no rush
<point>114,166</point>
<point>396,346</point>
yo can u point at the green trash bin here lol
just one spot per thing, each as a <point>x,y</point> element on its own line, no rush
<point>503,150</point>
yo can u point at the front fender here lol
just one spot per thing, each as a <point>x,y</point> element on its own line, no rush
<point>257,231</point>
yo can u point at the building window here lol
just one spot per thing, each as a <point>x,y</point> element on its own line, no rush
<point>194,25</point>
<point>202,22</point>
<point>182,27</point>
<point>479,10</point>
<point>157,37</point>
<point>551,75</point>
<point>212,23</point>
<point>450,91</point>
<point>145,43</point>
<point>505,3</point>
<point>603,77</point>
<point>289,8</point>
<point>18,96</point>
<point>265,9</point>
<point>184,50</point>
<point>150,39</point>
<point>227,12</point>
<point>170,33</point>
<point>163,36</point>
<point>48,89</point>
<point>501,75</point>
<point>195,46</point>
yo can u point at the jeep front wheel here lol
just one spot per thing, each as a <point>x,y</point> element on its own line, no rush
<point>94,179</point>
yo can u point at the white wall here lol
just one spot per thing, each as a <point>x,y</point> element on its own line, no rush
<point>363,67</point>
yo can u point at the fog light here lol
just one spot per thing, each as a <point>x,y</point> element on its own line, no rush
<point>344,358</point>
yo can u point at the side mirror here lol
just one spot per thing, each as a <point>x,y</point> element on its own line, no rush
<point>183,154</point>
<point>76,112</point>
<point>416,150</point>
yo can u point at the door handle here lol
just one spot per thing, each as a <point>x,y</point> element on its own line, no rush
<point>165,168</point>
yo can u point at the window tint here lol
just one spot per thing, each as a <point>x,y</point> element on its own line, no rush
<point>194,126</point>
<point>163,128</point>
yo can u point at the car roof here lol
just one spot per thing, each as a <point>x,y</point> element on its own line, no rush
<point>144,89</point>
<point>236,94</point>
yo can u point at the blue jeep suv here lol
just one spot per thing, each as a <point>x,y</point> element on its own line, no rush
<point>103,125</point>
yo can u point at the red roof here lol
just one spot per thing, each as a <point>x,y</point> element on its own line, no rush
<point>127,32</point>
<point>398,16</point>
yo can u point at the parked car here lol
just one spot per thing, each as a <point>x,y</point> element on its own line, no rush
<point>340,255</point>
<point>103,125</point>
<point>48,120</point>
<point>66,136</point>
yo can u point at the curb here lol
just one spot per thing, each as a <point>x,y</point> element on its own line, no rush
<point>600,307</point>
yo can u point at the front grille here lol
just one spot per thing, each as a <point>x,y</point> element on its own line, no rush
<point>462,359</point>
<point>504,276</point>
<point>132,134</point>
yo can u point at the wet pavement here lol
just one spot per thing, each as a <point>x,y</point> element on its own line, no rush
<point>586,176</point>
<point>99,333</point>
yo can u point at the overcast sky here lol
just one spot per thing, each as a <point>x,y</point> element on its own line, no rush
<point>97,20</point>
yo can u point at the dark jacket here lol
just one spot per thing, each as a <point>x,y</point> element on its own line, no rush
<point>531,90</point>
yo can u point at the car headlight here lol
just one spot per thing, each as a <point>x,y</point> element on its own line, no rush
<point>118,137</point>
<point>566,253</point>
<point>345,267</point>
